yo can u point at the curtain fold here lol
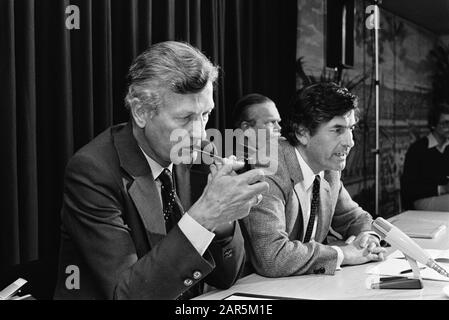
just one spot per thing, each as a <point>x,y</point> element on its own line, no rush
<point>81,45</point>
<point>60,87</point>
<point>9,235</point>
<point>26,128</point>
<point>101,66</point>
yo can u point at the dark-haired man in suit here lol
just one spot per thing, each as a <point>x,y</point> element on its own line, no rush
<point>286,232</point>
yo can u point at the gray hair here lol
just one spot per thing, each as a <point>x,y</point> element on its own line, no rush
<point>171,65</point>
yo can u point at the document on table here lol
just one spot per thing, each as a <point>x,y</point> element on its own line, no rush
<point>396,263</point>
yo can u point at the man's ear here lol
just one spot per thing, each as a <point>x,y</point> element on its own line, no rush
<point>244,125</point>
<point>303,135</point>
<point>140,113</point>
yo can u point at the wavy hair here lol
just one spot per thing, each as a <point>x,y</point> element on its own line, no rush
<point>171,65</point>
<point>314,105</point>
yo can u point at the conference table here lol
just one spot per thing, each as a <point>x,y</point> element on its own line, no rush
<point>351,282</point>
<point>439,203</point>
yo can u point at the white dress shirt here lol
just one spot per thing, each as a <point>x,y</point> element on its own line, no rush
<point>304,191</point>
<point>198,236</point>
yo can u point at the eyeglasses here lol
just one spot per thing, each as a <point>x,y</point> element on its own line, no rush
<point>444,124</point>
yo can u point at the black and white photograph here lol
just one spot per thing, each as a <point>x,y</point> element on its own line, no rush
<point>202,151</point>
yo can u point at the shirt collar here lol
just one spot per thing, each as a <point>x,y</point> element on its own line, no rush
<point>307,172</point>
<point>156,168</point>
<point>434,143</point>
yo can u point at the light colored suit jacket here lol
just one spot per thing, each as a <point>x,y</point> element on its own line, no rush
<point>273,227</point>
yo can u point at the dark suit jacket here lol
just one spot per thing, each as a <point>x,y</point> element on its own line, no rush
<point>424,170</point>
<point>273,227</point>
<point>114,232</point>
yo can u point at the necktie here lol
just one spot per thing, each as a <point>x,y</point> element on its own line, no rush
<point>172,207</point>
<point>315,205</point>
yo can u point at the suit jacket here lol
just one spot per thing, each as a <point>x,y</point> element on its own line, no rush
<point>113,228</point>
<point>424,170</point>
<point>273,227</point>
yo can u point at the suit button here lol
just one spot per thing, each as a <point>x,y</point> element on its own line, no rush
<point>188,282</point>
<point>227,253</point>
<point>322,270</point>
<point>197,275</point>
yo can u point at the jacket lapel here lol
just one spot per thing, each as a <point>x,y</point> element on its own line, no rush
<point>142,188</point>
<point>295,173</point>
<point>291,162</point>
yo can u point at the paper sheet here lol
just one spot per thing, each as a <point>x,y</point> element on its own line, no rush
<point>395,263</point>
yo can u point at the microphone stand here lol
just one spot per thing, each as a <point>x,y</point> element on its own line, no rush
<point>376,151</point>
<point>414,266</point>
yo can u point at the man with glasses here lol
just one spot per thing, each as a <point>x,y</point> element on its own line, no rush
<point>425,180</point>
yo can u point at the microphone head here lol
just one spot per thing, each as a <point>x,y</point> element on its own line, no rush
<point>381,226</point>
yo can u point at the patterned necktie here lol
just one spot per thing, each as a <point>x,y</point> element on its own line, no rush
<point>172,207</point>
<point>315,205</point>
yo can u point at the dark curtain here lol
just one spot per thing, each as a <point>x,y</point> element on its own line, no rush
<point>59,88</point>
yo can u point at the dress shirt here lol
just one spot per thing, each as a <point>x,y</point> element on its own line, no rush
<point>198,236</point>
<point>434,143</point>
<point>304,191</point>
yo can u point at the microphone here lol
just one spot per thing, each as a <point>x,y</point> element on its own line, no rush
<point>404,243</point>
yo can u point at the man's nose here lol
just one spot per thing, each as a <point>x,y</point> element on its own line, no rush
<point>348,139</point>
<point>277,126</point>
<point>199,129</point>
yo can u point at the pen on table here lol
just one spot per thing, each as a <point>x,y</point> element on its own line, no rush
<point>392,278</point>
<point>410,270</point>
